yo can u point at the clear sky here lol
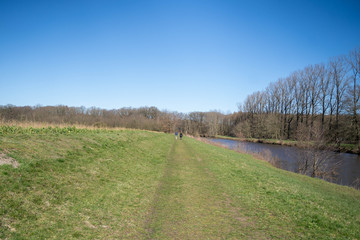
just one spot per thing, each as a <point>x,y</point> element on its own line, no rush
<point>184,56</point>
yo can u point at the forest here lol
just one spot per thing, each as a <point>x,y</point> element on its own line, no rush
<point>320,101</point>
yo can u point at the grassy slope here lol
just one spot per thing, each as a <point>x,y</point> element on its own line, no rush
<point>143,185</point>
<point>80,185</point>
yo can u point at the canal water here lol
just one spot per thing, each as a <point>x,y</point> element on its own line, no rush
<point>288,158</point>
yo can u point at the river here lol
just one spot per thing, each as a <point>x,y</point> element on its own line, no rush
<point>348,165</point>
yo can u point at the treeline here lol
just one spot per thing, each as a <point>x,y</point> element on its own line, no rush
<point>148,118</point>
<point>321,99</point>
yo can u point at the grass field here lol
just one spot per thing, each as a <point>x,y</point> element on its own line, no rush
<point>127,184</point>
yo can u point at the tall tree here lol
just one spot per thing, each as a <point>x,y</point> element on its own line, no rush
<point>353,60</point>
<point>338,71</point>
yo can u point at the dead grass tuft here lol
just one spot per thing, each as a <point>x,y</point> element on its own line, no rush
<point>4,159</point>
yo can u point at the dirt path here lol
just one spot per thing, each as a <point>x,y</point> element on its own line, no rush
<point>190,204</point>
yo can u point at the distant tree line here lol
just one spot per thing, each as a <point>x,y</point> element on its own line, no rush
<point>148,118</point>
<point>319,100</point>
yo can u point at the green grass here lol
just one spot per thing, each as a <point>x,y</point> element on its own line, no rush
<point>127,184</point>
<point>87,184</point>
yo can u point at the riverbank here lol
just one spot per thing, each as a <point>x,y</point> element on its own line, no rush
<point>344,148</point>
<point>128,184</point>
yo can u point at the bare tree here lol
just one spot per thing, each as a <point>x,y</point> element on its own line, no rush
<point>338,72</point>
<point>353,60</point>
<point>324,92</point>
<point>289,96</point>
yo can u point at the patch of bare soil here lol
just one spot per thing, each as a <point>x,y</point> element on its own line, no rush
<point>4,159</point>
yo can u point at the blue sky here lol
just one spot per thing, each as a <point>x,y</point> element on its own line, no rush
<point>183,56</point>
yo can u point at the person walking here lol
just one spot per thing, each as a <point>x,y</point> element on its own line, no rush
<point>176,133</point>
<point>181,135</point>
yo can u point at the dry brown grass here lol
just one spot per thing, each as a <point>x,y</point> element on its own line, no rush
<point>4,159</point>
<point>46,124</point>
<point>29,124</point>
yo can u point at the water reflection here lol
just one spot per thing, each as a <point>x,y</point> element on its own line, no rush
<point>348,165</point>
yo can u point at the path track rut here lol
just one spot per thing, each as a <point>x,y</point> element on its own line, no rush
<point>190,203</point>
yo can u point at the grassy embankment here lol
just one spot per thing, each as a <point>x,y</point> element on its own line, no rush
<point>344,147</point>
<point>126,184</point>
